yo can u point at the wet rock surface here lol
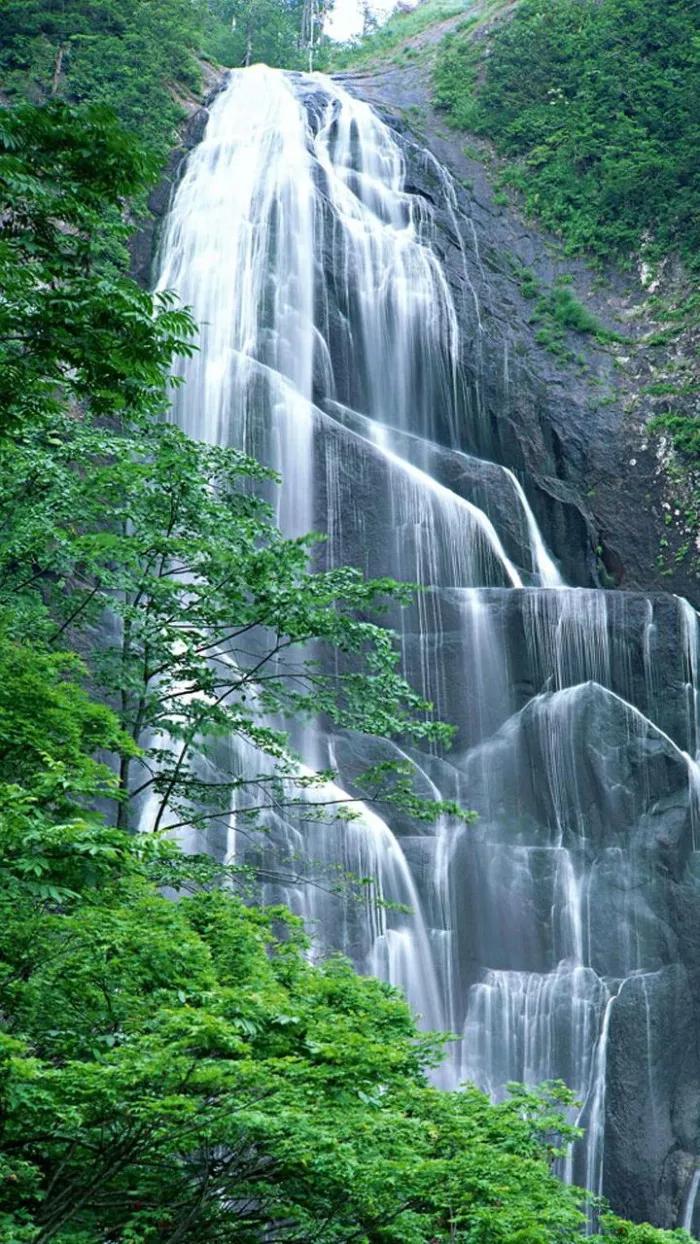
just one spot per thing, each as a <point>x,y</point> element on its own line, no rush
<point>573,902</point>
<point>144,242</point>
<point>577,431</point>
<point>652,1071</point>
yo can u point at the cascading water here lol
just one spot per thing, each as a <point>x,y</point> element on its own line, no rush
<point>330,348</point>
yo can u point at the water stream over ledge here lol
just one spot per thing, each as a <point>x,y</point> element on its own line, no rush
<point>331,349</point>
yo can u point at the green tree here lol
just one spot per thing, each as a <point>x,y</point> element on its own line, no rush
<point>246,32</point>
<point>134,56</point>
<point>74,329</point>
<point>180,1071</point>
<point>188,548</point>
<point>142,58</point>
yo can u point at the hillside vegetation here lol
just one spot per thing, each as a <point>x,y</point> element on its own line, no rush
<point>594,106</point>
<point>141,57</point>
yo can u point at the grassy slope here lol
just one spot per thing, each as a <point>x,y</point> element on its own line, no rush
<point>593,106</point>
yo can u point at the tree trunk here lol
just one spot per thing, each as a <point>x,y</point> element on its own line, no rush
<point>58,65</point>
<point>308,30</point>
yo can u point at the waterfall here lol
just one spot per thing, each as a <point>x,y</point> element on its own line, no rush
<point>332,348</point>
<point>691,1201</point>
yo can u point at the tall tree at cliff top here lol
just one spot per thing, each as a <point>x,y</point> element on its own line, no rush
<point>278,32</point>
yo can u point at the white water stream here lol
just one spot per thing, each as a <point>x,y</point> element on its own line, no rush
<point>330,348</point>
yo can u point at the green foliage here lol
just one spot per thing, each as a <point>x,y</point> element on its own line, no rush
<point>73,327</point>
<point>45,713</point>
<point>684,433</point>
<point>252,31</point>
<point>181,1071</point>
<point>618,1231</point>
<point>141,58</point>
<point>173,1066</point>
<point>594,105</point>
<point>129,55</point>
<point>559,313</point>
<point>187,549</point>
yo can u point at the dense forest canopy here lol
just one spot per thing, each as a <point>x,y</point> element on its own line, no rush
<point>179,1070</point>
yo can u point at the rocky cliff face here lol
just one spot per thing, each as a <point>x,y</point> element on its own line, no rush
<point>575,430</point>
<point>576,434</point>
<point>578,429</point>
<point>574,903</point>
<point>144,242</point>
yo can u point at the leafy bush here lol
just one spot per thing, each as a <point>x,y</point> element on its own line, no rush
<point>180,1071</point>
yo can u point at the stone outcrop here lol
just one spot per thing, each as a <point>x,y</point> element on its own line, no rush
<point>144,241</point>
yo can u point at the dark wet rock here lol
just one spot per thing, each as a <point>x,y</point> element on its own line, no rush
<point>652,1063</point>
<point>575,430</point>
<point>143,243</point>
